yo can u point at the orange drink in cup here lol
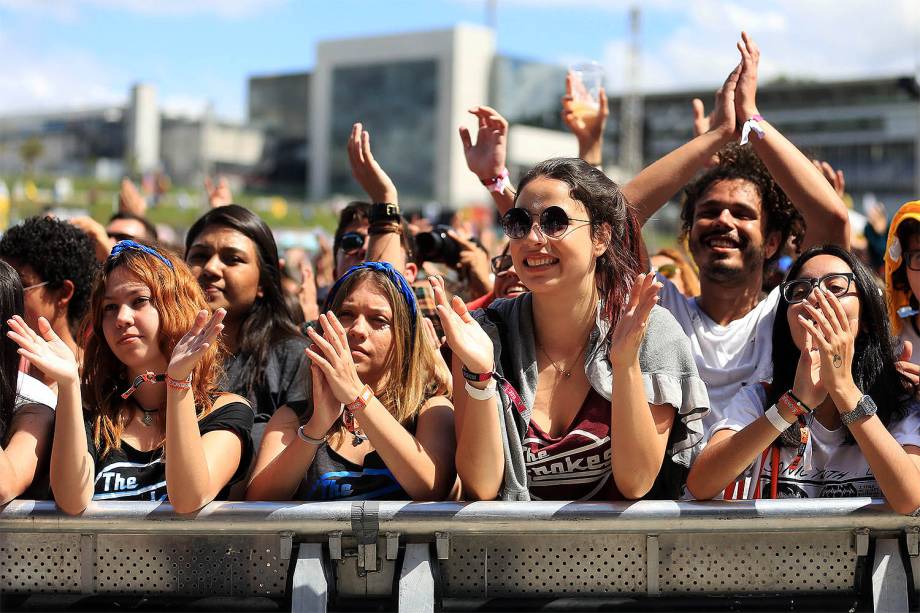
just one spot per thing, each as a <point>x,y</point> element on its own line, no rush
<point>587,79</point>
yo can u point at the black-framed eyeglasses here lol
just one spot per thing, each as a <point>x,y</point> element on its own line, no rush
<point>912,259</point>
<point>554,222</point>
<point>351,242</point>
<point>797,290</point>
<point>501,263</point>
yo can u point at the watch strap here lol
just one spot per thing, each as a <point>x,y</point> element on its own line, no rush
<point>864,408</point>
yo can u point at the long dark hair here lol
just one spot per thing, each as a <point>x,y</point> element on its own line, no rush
<point>874,370</point>
<point>269,320</point>
<point>10,304</point>
<point>618,266</point>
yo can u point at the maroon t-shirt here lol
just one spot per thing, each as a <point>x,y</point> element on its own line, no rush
<point>575,465</point>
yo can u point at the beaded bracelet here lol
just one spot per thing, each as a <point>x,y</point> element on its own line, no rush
<point>179,384</point>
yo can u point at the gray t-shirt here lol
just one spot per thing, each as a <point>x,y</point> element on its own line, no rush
<point>287,378</point>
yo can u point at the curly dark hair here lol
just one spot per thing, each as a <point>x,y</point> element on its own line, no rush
<point>740,162</point>
<point>906,229</point>
<point>56,251</point>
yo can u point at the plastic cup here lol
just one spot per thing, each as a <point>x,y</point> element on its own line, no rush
<point>587,80</point>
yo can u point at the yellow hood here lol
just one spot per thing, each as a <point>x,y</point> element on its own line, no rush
<point>893,258</point>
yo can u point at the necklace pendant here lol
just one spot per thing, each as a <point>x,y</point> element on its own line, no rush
<point>566,373</point>
<point>147,419</point>
<point>357,438</point>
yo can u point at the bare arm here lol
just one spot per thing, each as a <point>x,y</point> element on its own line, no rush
<point>815,198</point>
<point>29,439</point>
<point>283,458</point>
<point>896,468</point>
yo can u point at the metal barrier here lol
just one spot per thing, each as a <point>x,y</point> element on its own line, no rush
<point>427,556</point>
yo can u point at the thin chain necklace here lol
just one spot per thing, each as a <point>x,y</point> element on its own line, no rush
<point>566,373</point>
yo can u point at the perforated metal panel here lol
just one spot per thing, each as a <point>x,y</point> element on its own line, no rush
<point>757,562</point>
<point>497,566</point>
<point>228,565</point>
<point>40,563</point>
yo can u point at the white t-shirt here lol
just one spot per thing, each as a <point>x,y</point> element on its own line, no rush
<point>30,390</point>
<point>728,357</point>
<point>837,470</point>
<point>908,334</point>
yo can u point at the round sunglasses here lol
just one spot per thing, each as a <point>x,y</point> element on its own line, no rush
<point>554,222</point>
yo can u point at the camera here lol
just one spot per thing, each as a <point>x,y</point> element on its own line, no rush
<point>436,246</point>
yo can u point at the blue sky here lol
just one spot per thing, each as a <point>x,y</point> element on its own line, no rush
<point>72,53</point>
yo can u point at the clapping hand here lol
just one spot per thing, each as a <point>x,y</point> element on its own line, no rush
<point>331,354</point>
<point>45,350</point>
<point>486,158</point>
<point>808,386</point>
<point>746,92</point>
<point>365,169</point>
<point>627,335</point>
<point>191,347</point>
<point>466,338</point>
<point>833,336</point>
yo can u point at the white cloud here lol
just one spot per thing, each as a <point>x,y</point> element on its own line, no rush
<point>819,39</point>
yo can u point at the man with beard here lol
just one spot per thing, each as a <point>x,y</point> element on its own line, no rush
<point>736,216</point>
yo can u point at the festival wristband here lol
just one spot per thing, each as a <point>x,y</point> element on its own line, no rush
<point>776,420</point>
<point>480,394</point>
<point>751,124</point>
<point>179,384</point>
<point>498,182</point>
<point>793,404</point>
<point>476,377</point>
<point>364,397</point>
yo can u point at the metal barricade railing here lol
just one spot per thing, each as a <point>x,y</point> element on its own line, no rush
<point>424,556</point>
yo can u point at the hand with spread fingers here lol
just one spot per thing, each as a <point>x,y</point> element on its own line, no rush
<point>808,386</point>
<point>466,338</point>
<point>626,337</point>
<point>486,158</point>
<point>191,347</point>
<point>829,327</point>
<point>834,177</point>
<point>45,350</point>
<point>218,195</point>
<point>332,355</point>
<point>365,169</point>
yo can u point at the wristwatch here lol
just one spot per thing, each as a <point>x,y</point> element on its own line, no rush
<point>384,212</point>
<point>864,408</point>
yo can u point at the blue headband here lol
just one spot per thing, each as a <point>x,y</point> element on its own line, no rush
<point>124,245</point>
<point>391,273</point>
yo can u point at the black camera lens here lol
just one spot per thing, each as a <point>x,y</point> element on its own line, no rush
<point>437,246</point>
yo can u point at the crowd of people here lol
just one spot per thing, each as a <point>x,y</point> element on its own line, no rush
<point>758,359</point>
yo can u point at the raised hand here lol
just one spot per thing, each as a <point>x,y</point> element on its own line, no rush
<point>808,386</point>
<point>834,177</point>
<point>588,129</point>
<point>191,347</point>
<point>475,263</point>
<point>626,337</point>
<point>834,338</point>
<point>332,355</point>
<point>486,158</point>
<point>102,244</point>
<point>466,338</point>
<point>365,169</point>
<point>326,408</point>
<point>218,195</point>
<point>306,296</point>
<point>130,200</point>
<point>746,92</point>
<point>45,350</point>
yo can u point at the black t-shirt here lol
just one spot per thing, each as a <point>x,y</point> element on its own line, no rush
<point>332,477</point>
<point>128,474</point>
<point>287,378</point>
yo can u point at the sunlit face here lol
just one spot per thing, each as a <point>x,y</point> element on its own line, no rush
<point>127,229</point>
<point>815,268</point>
<point>668,268</point>
<point>367,317</point>
<point>346,259</point>
<point>39,301</point>
<point>131,323</point>
<point>226,265</point>
<point>727,236</point>
<point>544,263</point>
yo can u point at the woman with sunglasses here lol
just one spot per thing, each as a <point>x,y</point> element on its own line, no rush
<point>150,390</point>
<point>598,391</point>
<point>26,406</point>
<point>838,418</point>
<point>233,254</point>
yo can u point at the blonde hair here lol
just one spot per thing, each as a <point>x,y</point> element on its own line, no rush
<point>412,373</point>
<point>178,298</point>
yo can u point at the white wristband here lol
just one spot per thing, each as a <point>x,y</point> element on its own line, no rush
<point>776,420</point>
<point>480,394</point>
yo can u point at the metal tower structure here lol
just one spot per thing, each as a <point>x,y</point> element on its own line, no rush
<point>631,110</point>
